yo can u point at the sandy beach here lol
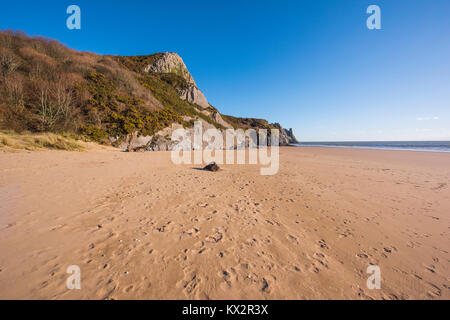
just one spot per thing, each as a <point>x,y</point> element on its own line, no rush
<point>141,227</point>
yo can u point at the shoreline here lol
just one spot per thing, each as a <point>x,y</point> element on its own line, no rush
<point>369,148</point>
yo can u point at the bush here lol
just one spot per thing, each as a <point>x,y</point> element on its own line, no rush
<point>46,87</point>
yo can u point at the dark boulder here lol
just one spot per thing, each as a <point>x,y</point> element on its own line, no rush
<point>213,167</point>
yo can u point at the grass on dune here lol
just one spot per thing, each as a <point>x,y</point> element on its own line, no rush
<point>29,141</point>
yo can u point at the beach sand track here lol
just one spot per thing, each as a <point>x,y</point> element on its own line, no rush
<point>141,227</point>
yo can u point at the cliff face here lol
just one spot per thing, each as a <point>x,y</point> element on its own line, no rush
<point>286,135</point>
<point>169,62</point>
<point>133,102</point>
<point>193,95</point>
<point>172,63</point>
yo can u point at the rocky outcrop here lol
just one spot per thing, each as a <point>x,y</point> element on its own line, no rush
<point>215,115</point>
<point>162,141</point>
<point>290,134</point>
<point>169,62</point>
<point>213,167</point>
<point>286,135</point>
<point>192,94</point>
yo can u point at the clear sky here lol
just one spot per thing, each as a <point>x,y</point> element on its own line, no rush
<point>312,65</point>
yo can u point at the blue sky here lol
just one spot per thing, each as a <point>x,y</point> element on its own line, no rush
<point>311,65</point>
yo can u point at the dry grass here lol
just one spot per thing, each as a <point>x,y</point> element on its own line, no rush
<point>27,141</point>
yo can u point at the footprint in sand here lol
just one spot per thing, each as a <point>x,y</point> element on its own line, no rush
<point>440,186</point>
<point>430,268</point>
<point>190,283</point>
<point>293,238</point>
<point>313,268</point>
<point>321,258</point>
<point>216,237</point>
<point>229,278</point>
<point>323,244</point>
<point>192,231</point>
<point>128,289</point>
<point>265,286</point>
<point>108,289</point>
<point>433,290</point>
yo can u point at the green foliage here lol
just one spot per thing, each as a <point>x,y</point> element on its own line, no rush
<point>246,123</point>
<point>174,80</point>
<point>122,114</point>
<point>178,70</point>
<point>166,93</point>
<point>137,63</point>
<point>104,96</point>
<point>102,91</point>
<point>94,133</point>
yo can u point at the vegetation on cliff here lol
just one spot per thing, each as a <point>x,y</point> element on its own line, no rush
<point>47,88</point>
<point>248,123</point>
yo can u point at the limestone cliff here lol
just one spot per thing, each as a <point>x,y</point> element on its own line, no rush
<point>286,135</point>
<point>134,102</point>
<point>169,62</point>
<point>172,63</point>
<point>192,94</point>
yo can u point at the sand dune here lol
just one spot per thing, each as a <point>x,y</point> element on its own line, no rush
<point>140,227</point>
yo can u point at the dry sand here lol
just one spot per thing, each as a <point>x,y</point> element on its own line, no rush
<point>140,227</point>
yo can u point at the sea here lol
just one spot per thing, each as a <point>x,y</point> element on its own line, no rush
<point>431,146</point>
